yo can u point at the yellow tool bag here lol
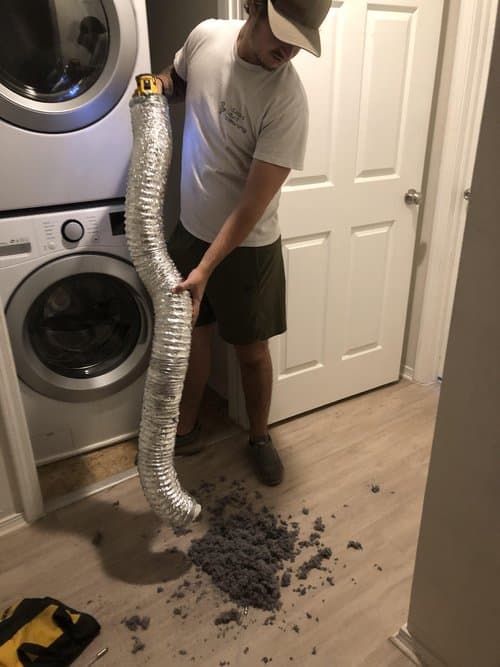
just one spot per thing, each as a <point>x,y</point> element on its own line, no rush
<point>44,632</point>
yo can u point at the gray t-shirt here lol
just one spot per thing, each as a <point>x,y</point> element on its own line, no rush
<point>235,111</point>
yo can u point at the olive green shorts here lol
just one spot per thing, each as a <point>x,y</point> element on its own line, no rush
<point>245,294</point>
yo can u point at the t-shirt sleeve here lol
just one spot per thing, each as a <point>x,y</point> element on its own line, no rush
<point>283,136</point>
<point>184,54</point>
<point>180,62</point>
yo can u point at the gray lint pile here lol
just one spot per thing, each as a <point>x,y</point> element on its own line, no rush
<point>248,550</point>
<point>244,549</point>
<point>250,554</point>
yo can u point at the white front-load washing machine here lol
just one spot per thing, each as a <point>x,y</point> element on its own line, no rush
<point>67,73</point>
<point>80,324</point>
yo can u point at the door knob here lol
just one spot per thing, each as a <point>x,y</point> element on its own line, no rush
<point>412,197</point>
<point>468,194</point>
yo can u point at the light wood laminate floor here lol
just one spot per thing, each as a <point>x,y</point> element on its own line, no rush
<point>72,475</point>
<point>332,456</point>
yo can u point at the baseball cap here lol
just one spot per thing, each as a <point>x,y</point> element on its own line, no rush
<point>297,22</point>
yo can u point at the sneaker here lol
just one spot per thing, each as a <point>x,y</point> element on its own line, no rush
<point>266,460</point>
<point>187,444</point>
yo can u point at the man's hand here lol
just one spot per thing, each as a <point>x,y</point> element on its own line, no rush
<point>196,283</point>
<point>164,82</point>
<point>173,87</point>
<point>263,182</point>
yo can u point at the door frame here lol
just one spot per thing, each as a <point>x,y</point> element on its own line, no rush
<point>229,9</point>
<point>19,455</point>
<point>476,27</point>
<point>473,52</point>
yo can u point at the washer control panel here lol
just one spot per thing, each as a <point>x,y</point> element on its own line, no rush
<point>25,238</point>
<point>72,231</point>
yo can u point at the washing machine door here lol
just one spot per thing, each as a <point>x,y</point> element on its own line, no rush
<point>64,64</point>
<point>81,327</point>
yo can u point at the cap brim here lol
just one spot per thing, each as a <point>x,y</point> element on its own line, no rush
<point>292,32</point>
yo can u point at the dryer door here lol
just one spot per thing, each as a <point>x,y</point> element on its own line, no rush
<point>64,65</point>
<point>80,327</point>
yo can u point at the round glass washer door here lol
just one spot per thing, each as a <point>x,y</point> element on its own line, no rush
<point>80,327</point>
<point>64,64</point>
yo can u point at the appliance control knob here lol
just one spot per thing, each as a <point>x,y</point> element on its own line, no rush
<point>72,230</point>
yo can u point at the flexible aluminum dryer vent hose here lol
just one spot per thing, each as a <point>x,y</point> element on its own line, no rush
<point>150,162</point>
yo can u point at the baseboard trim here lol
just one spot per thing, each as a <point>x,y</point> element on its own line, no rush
<point>90,490</point>
<point>413,650</point>
<point>10,523</point>
<point>407,372</point>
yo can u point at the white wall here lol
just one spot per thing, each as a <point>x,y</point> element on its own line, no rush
<point>455,602</point>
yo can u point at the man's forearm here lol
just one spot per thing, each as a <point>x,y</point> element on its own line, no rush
<point>237,227</point>
<point>263,182</point>
<point>174,88</point>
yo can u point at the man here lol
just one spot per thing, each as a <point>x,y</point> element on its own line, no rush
<point>93,36</point>
<point>245,129</point>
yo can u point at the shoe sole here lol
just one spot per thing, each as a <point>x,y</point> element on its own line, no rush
<point>267,483</point>
<point>258,474</point>
<point>188,450</point>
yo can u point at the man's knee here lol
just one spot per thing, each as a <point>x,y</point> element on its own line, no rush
<point>253,354</point>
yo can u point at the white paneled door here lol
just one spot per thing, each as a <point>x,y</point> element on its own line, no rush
<point>348,235</point>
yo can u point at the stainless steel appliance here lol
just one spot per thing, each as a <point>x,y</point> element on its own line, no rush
<point>80,324</point>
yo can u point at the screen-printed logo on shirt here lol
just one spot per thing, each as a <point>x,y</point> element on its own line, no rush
<point>233,116</point>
